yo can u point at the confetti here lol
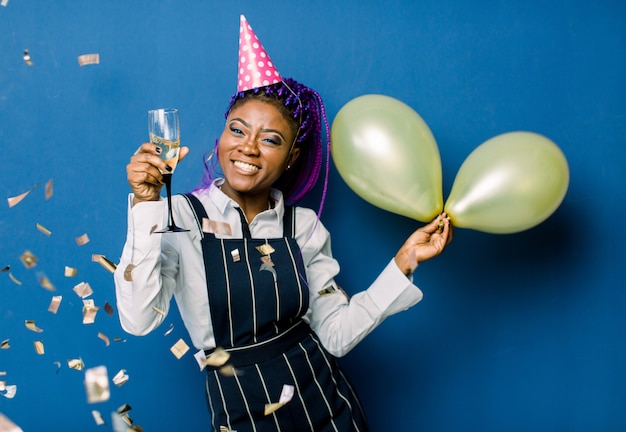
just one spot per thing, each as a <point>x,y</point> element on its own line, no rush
<point>70,271</point>
<point>169,330</point>
<point>83,290</point>
<point>5,344</point>
<point>179,349</point>
<point>4,3</point>
<point>108,309</point>
<point>269,268</point>
<point>76,364</point>
<point>88,59</point>
<point>14,279</point>
<point>217,358</point>
<point>229,370</point>
<point>89,311</point>
<point>9,391</point>
<point>97,417</point>
<point>235,254</point>
<point>266,259</point>
<point>44,282</point>
<point>120,378</point>
<point>49,189</point>
<point>13,201</point>
<point>215,227</point>
<point>104,338</point>
<point>327,291</point>
<point>28,259</point>
<point>157,310</point>
<point>54,304</point>
<point>44,230</point>
<point>30,325</point>
<point>285,396</point>
<point>82,240</point>
<point>27,58</point>
<point>128,273</point>
<point>39,347</point>
<point>104,262</point>
<point>97,384</point>
<point>58,365</point>
<point>7,425</point>
<point>265,249</point>
<point>5,269</point>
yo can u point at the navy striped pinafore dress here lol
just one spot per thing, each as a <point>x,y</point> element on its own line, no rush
<point>256,300</point>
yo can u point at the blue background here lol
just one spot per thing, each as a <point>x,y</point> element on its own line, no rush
<point>516,332</point>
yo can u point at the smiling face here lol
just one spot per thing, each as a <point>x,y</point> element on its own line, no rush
<point>254,150</point>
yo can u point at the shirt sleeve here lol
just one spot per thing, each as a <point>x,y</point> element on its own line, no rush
<point>341,322</point>
<point>145,279</point>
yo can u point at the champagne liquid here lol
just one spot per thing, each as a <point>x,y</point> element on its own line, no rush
<point>169,149</point>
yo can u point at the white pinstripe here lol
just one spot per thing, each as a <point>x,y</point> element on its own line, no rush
<point>267,395</point>
<point>219,386</point>
<point>295,381</point>
<point>245,401</point>
<point>230,310</point>
<point>296,273</point>
<point>252,289</point>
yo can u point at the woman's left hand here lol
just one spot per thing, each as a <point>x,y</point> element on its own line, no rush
<point>425,243</point>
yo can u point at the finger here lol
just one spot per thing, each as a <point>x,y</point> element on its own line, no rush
<point>151,159</point>
<point>184,151</point>
<point>143,173</point>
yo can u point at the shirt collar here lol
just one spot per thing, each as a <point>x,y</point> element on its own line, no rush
<point>223,201</point>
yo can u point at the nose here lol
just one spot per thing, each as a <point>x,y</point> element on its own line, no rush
<point>249,146</point>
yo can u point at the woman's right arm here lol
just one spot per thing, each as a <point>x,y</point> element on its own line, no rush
<point>145,276</point>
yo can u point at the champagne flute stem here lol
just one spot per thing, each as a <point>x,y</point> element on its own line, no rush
<point>167,179</point>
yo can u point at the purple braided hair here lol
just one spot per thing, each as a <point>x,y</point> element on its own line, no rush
<point>305,110</point>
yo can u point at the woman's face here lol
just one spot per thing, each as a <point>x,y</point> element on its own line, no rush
<point>255,148</point>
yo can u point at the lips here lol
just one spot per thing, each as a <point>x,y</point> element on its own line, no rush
<point>246,166</point>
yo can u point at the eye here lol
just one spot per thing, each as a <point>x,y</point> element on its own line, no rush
<point>272,140</point>
<point>236,130</point>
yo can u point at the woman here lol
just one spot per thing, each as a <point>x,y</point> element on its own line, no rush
<point>254,277</point>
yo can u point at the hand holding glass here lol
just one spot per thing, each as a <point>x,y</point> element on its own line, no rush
<point>164,131</point>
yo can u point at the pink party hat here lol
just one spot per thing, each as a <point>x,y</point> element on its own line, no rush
<point>256,69</point>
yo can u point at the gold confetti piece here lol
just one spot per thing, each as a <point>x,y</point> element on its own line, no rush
<point>4,3</point>
<point>128,273</point>
<point>83,290</point>
<point>285,396</point>
<point>13,201</point>
<point>153,229</point>
<point>3,373</point>
<point>39,347</point>
<point>104,338</point>
<point>9,391</point>
<point>28,259</point>
<point>82,240</point>
<point>123,409</point>
<point>235,254</point>
<point>89,311</point>
<point>27,59</point>
<point>120,378</point>
<point>5,269</point>
<point>179,349</point>
<point>88,59</point>
<point>14,279</point>
<point>157,310</point>
<point>49,189</point>
<point>76,364</point>
<point>54,304</point>
<point>217,358</point>
<point>97,417</point>
<point>97,384</point>
<point>327,291</point>
<point>169,330</point>
<point>30,325</point>
<point>118,339</point>
<point>70,271</point>
<point>45,282</point>
<point>266,249</point>
<point>5,344</point>
<point>266,259</point>
<point>44,230</point>
<point>108,309</point>
<point>215,227</point>
<point>104,262</point>
<point>229,371</point>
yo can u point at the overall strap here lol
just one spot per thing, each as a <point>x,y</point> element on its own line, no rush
<point>289,219</point>
<point>198,210</point>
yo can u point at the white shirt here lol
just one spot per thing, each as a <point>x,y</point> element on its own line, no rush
<point>155,267</point>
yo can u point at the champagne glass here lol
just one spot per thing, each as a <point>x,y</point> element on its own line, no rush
<point>164,131</point>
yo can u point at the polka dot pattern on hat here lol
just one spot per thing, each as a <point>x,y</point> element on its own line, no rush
<point>255,67</point>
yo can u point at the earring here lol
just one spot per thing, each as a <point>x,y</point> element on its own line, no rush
<point>288,166</point>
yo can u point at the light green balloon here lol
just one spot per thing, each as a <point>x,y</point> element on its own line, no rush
<point>388,156</point>
<point>508,184</point>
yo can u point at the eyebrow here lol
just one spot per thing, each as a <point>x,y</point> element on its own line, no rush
<point>246,124</point>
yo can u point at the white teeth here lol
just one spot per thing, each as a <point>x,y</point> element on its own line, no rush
<point>246,167</point>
